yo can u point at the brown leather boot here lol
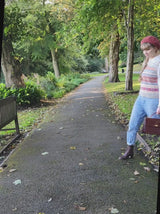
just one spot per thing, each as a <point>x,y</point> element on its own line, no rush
<point>128,154</point>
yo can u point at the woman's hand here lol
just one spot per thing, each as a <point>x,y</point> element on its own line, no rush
<point>158,110</point>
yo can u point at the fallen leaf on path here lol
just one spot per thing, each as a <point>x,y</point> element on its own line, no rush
<point>81,208</point>
<point>12,170</point>
<point>1,169</point>
<point>142,164</point>
<point>113,210</point>
<point>82,183</point>
<point>72,147</point>
<point>49,200</point>
<point>14,209</point>
<point>44,153</point>
<point>136,172</point>
<point>132,179</point>
<point>147,169</point>
<point>61,128</point>
<point>16,182</point>
<point>156,170</point>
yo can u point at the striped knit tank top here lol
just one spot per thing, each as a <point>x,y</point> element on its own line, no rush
<point>150,82</point>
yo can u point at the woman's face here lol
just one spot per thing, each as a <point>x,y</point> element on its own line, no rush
<point>150,52</point>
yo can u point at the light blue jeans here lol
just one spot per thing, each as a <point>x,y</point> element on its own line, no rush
<point>143,107</point>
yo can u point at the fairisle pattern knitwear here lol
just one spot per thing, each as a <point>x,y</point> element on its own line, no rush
<point>150,82</point>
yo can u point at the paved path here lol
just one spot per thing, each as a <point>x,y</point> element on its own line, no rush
<point>69,165</point>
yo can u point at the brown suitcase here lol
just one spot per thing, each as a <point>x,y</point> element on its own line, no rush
<point>151,126</point>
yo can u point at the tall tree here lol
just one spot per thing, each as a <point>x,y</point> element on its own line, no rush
<point>146,18</point>
<point>11,66</point>
<point>46,27</point>
<point>41,25</point>
<point>1,25</point>
<point>10,62</point>
<point>98,22</point>
<point>114,57</point>
<point>142,20</point>
<point>130,45</point>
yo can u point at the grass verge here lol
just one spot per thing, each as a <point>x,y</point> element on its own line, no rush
<point>28,119</point>
<point>123,99</point>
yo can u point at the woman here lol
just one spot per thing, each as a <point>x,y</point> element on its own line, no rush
<point>148,102</point>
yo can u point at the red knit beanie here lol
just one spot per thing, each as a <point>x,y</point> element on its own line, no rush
<point>152,40</point>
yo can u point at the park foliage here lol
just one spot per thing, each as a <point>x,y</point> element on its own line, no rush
<point>43,87</point>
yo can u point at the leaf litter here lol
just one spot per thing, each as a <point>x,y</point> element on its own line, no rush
<point>72,148</point>
<point>44,153</point>
<point>147,169</point>
<point>113,210</point>
<point>136,173</point>
<point>12,170</point>
<point>16,182</point>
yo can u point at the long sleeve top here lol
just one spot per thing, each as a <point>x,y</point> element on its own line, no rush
<point>150,83</point>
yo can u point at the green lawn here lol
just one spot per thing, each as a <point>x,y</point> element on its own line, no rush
<point>124,101</point>
<point>27,119</point>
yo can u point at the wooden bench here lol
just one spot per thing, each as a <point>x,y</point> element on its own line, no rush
<point>8,113</point>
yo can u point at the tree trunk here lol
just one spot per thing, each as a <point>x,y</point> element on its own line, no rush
<point>114,57</point>
<point>130,46</point>
<point>106,64</point>
<point>55,64</point>
<point>10,66</point>
<point>2,3</point>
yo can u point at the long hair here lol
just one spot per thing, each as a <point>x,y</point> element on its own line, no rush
<point>145,46</point>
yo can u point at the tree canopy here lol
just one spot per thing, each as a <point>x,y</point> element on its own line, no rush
<point>62,35</point>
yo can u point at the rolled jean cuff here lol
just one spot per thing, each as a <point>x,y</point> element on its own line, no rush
<point>131,144</point>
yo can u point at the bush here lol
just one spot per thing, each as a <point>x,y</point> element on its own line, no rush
<point>69,86</point>
<point>95,64</point>
<point>29,95</point>
<point>85,76</point>
<point>6,92</point>
<point>72,80</point>
<point>58,93</point>
<point>49,87</point>
<point>48,84</point>
<point>80,64</point>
